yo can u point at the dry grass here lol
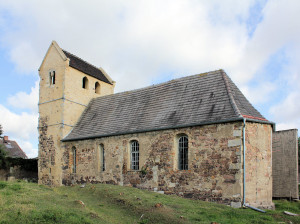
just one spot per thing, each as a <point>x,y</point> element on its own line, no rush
<point>22,202</point>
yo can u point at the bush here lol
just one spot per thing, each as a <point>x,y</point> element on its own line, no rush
<point>25,164</point>
<point>3,161</point>
<point>2,185</point>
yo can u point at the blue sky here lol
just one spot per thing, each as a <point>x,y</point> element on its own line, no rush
<point>256,42</point>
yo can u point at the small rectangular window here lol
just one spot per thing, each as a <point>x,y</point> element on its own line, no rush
<point>74,160</point>
<point>102,157</point>
<point>52,77</point>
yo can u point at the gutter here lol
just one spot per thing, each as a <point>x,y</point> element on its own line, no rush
<point>165,128</point>
<point>244,173</point>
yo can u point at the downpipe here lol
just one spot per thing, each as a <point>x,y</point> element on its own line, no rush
<point>244,174</point>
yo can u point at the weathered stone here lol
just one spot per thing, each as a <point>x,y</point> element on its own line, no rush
<point>237,133</point>
<point>236,195</point>
<point>157,159</point>
<point>236,204</point>
<point>172,184</point>
<point>234,142</point>
<point>238,152</point>
<point>235,166</point>
<point>11,178</point>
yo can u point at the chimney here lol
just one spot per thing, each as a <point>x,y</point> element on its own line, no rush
<point>5,138</point>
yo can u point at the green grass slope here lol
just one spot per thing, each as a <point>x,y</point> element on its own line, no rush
<point>22,202</point>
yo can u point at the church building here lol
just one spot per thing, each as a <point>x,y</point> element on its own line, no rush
<point>197,136</point>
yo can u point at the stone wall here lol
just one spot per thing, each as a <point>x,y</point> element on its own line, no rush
<point>18,173</point>
<point>285,164</point>
<point>215,163</point>
<point>19,168</point>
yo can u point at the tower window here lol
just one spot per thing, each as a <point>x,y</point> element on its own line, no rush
<point>52,77</point>
<point>74,159</point>
<point>85,83</point>
<point>183,153</point>
<point>135,155</point>
<point>97,87</point>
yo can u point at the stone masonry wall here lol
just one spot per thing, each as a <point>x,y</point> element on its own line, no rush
<point>60,106</point>
<point>214,154</point>
<point>259,165</point>
<point>285,164</point>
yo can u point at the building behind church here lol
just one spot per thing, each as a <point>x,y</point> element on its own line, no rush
<point>12,149</point>
<point>187,136</point>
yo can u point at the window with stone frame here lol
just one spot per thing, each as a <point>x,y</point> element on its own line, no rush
<point>183,149</point>
<point>52,77</point>
<point>102,157</point>
<point>135,155</point>
<point>74,159</point>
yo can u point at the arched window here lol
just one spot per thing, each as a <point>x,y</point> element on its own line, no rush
<point>74,159</point>
<point>102,157</point>
<point>135,155</point>
<point>183,143</point>
<point>52,77</point>
<point>85,83</point>
<point>97,87</point>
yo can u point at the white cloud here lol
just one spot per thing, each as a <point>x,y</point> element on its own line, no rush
<point>140,39</point>
<point>137,41</point>
<point>259,94</point>
<point>280,27</point>
<point>26,101</point>
<point>287,113</point>
<point>22,126</point>
<point>286,126</point>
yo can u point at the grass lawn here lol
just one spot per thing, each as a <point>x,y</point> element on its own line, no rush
<point>22,202</point>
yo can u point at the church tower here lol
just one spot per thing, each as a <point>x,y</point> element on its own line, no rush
<point>67,84</point>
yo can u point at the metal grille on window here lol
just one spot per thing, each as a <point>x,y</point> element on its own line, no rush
<point>135,155</point>
<point>183,153</point>
<point>74,160</point>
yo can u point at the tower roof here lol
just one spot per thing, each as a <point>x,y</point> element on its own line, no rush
<point>80,64</point>
<point>87,68</point>
<point>206,98</point>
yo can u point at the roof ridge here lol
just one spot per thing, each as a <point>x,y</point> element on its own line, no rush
<point>231,98</point>
<point>82,60</point>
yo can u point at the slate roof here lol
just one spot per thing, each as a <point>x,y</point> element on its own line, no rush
<point>85,67</point>
<point>13,149</point>
<point>194,100</point>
